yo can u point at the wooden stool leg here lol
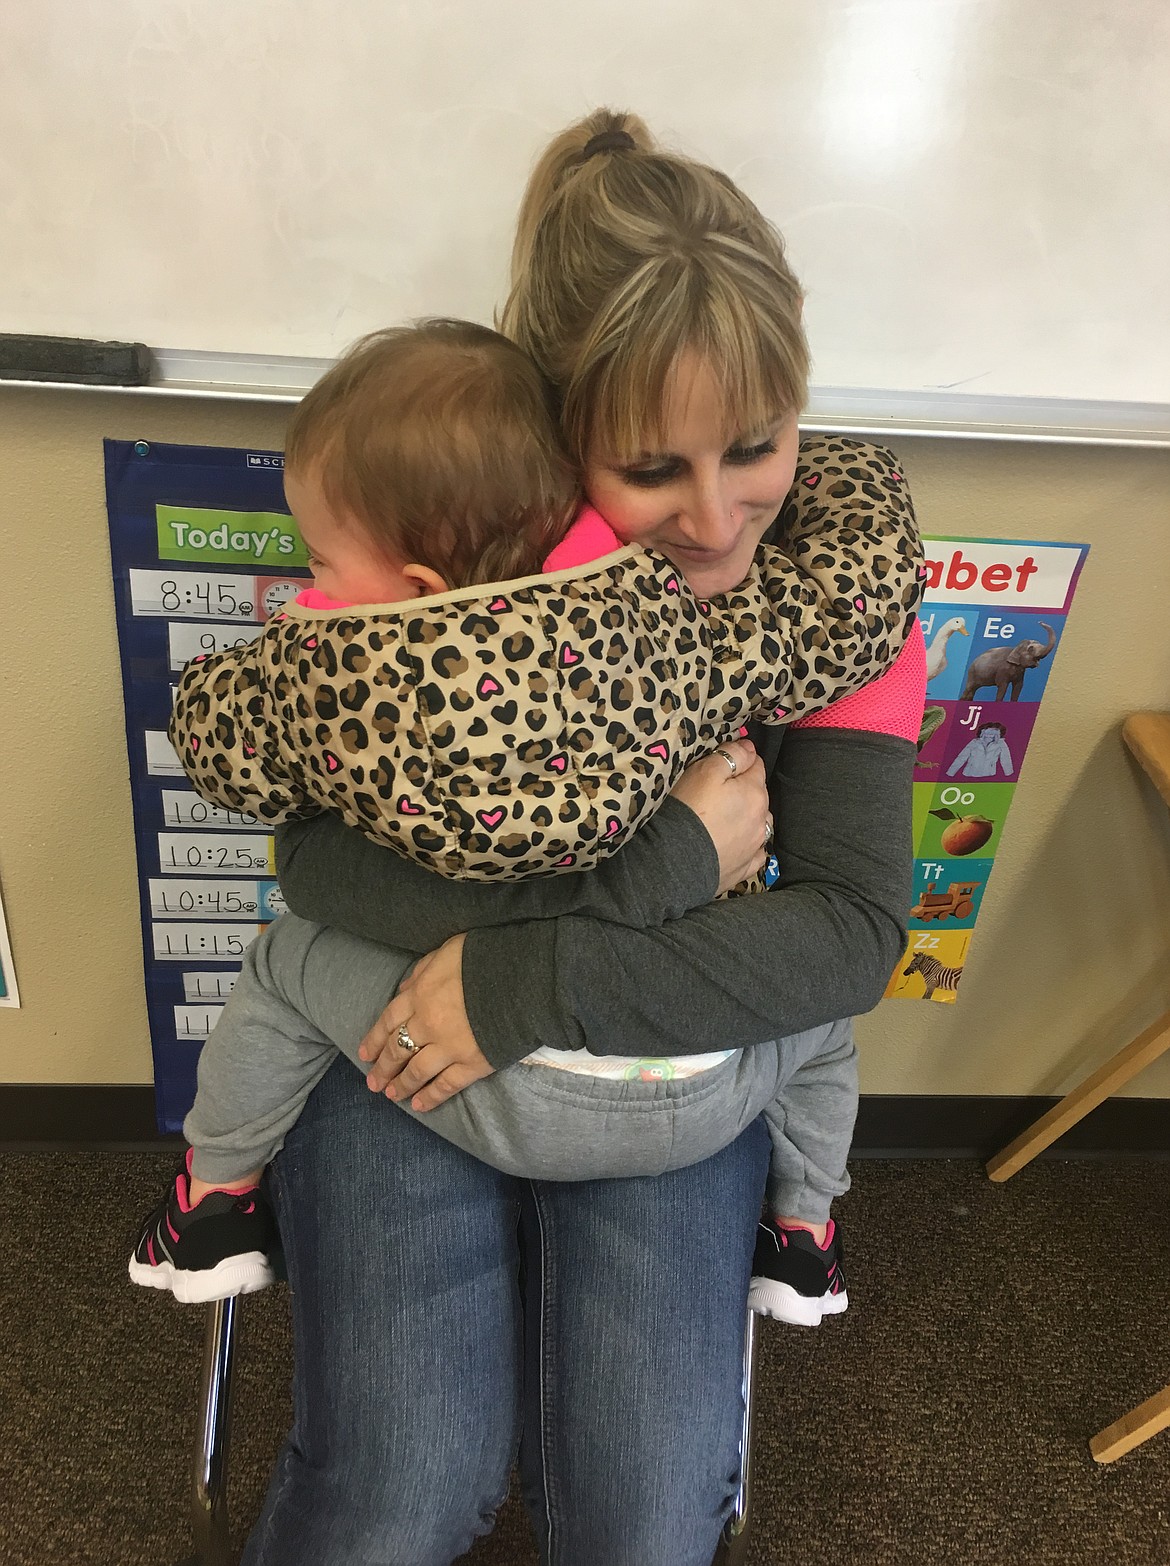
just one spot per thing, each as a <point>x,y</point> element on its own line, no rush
<point>1137,1426</point>
<point>1077,1104</point>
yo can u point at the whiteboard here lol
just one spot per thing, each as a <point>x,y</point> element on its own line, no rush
<point>974,192</point>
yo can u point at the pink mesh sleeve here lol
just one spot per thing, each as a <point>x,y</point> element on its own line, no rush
<point>891,704</point>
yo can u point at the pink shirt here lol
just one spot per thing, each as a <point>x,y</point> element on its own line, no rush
<point>589,537</point>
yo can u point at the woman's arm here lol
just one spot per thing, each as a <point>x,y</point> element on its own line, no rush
<point>333,875</point>
<point>820,945</point>
<point>741,971</point>
<point>706,837</point>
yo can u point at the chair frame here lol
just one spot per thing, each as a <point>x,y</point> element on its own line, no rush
<point>1147,734</point>
<point>209,1474</point>
<point>209,1478</point>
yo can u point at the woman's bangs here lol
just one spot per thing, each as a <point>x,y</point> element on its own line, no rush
<point>630,397</point>
<point>756,393</point>
<point>754,356</point>
<point>749,358</point>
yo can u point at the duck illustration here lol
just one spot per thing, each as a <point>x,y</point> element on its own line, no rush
<point>936,653</point>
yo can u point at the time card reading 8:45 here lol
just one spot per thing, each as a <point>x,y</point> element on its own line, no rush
<point>209,595</point>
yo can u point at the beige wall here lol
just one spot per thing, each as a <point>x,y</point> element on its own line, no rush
<point>1070,956</point>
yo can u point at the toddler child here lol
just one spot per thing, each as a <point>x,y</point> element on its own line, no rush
<point>484,679</point>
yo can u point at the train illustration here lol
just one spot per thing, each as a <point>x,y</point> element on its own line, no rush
<point>957,902</point>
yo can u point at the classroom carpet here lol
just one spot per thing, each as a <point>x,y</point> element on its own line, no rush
<point>943,1421</point>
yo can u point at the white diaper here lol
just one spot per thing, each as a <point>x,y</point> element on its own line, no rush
<point>622,1068</point>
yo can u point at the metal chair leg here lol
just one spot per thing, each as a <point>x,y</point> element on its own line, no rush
<point>737,1530</point>
<point>209,1510</point>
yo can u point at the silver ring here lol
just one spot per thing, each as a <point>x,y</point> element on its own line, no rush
<point>769,832</point>
<point>405,1041</point>
<point>728,758</point>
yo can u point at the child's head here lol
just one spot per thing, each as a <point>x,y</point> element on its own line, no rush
<point>427,458</point>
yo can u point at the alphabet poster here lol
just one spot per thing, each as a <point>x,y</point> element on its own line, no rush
<point>203,551</point>
<point>993,619</point>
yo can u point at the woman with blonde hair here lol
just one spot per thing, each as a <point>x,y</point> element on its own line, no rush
<point>449,1316</point>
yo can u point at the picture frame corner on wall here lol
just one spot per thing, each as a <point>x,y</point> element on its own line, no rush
<point>9,992</point>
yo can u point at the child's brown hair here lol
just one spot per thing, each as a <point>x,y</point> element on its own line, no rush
<point>439,439</point>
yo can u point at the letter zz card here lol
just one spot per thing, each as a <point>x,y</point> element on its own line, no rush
<point>203,551</point>
<point>993,619</point>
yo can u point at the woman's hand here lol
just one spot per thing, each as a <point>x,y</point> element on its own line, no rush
<point>430,1003</point>
<point>733,806</point>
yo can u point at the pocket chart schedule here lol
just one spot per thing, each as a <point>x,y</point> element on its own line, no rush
<point>203,551</point>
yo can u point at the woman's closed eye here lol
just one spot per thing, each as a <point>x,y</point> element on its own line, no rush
<point>667,470</point>
<point>651,478</point>
<point>742,456</point>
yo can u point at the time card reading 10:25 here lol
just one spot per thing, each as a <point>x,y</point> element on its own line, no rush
<point>216,853</point>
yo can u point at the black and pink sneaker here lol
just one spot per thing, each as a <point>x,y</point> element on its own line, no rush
<point>796,1280</point>
<point>213,1250</point>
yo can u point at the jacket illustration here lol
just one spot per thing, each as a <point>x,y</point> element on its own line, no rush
<point>982,757</point>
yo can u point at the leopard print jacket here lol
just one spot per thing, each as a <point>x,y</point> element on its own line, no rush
<point>530,727</point>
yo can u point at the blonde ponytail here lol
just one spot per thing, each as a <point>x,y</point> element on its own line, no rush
<point>626,256</point>
<point>563,156</point>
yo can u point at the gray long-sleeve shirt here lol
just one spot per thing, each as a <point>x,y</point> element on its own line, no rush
<point>632,957</point>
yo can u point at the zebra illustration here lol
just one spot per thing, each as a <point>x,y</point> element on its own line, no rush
<point>935,975</point>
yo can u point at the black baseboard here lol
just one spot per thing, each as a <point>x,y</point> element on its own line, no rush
<point>944,1126</point>
<point>77,1118</point>
<point>36,1118</point>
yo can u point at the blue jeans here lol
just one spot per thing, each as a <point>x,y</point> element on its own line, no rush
<point>448,1317</point>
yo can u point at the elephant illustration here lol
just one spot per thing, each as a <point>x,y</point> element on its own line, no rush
<point>1006,666</point>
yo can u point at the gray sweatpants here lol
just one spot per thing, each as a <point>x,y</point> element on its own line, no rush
<point>306,991</point>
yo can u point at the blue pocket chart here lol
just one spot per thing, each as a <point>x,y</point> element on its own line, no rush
<point>203,551</point>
